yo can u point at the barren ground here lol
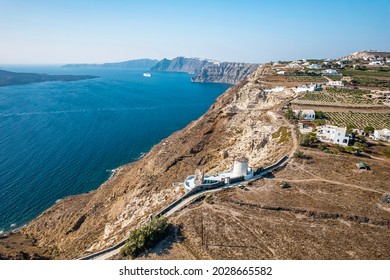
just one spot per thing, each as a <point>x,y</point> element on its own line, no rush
<point>330,211</point>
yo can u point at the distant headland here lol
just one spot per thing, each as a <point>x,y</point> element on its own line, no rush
<point>8,78</point>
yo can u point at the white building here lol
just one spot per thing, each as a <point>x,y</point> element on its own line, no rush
<point>383,134</point>
<point>330,72</point>
<point>240,167</point>
<point>335,83</point>
<point>333,134</point>
<point>314,66</point>
<point>293,65</point>
<point>375,63</point>
<point>281,72</point>
<point>312,87</point>
<point>305,114</point>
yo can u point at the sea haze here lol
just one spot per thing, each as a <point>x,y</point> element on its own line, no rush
<point>64,138</point>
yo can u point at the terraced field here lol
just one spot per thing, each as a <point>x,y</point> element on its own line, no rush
<point>359,120</point>
<point>338,97</point>
<point>307,79</point>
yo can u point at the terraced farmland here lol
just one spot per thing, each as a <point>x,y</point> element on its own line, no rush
<point>307,79</point>
<point>338,97</point>
<point>359,120</point>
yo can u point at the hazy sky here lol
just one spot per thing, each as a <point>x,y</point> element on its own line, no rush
<point>70,31</point>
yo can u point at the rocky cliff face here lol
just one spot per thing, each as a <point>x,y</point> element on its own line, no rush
<point>181,64</point>
<point>207,71</point>
<point>226,72</point>
<point>240,123</point>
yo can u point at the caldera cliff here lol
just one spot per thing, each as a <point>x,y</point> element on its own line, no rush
<point>225,72</point>
<point>240,123</point>
<point>206,70</point>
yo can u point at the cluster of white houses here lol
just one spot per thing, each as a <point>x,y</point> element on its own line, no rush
<point>328,133</point>
<point>331,133</point>
<point>383,135</point>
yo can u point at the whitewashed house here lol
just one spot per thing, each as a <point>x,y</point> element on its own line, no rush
<point>314,66</point>
<point>340,64</point>
<point>333,134</point>
<point>312,87</point>
<point>375,63</point>
<point>330,72</point>
<point>308,115</point>
<point>281,72</point>
<point>383,134</point>
<point>335,83</point>
<point>293,65</point>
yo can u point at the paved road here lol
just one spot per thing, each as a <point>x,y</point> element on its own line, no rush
<point>112,251</point>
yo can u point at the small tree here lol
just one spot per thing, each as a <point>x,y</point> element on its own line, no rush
<point>319,122</point>
<point>308,140</point>
<point>350,149</point>
<point>386,151</point>
<point>299,154</point>
<point>349,128</point>
<point>360,147</point>
<point>320,115</point>
<point>289,114</point>
<point>145,237</point>
<point>369,129</point>
<point>340,148</point>
<point>323,146</point>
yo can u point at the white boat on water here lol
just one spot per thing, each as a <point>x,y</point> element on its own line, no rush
<point>148,75</point>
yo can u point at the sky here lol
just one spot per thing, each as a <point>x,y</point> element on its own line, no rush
<point>97,31</point>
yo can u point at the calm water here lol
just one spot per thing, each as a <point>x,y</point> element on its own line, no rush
<point>63,138</point>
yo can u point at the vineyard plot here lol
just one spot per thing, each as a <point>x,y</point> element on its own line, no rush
<point>359,120</point>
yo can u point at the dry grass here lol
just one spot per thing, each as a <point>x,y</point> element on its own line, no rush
<point>330,211</point>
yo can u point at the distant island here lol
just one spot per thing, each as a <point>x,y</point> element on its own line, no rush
<point>137,63</point>
<point>8,78</point>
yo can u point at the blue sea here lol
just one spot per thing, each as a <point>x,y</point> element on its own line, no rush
<point>63,138</point>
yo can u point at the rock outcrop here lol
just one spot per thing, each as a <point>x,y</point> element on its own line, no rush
<point>182,64</point>
<point>207,71</point>
<point>225,72</point>
<point>240,123</point>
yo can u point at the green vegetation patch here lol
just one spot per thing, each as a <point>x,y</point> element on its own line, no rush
<point>307,79</point>
<point>359,120</point>
<point>367,73</point>
<point>339,96</point>
<point>386,152</point>
<point>371,82</point>
<point>318,97</point>
<point>284,134</point>
<point>146,237</point>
